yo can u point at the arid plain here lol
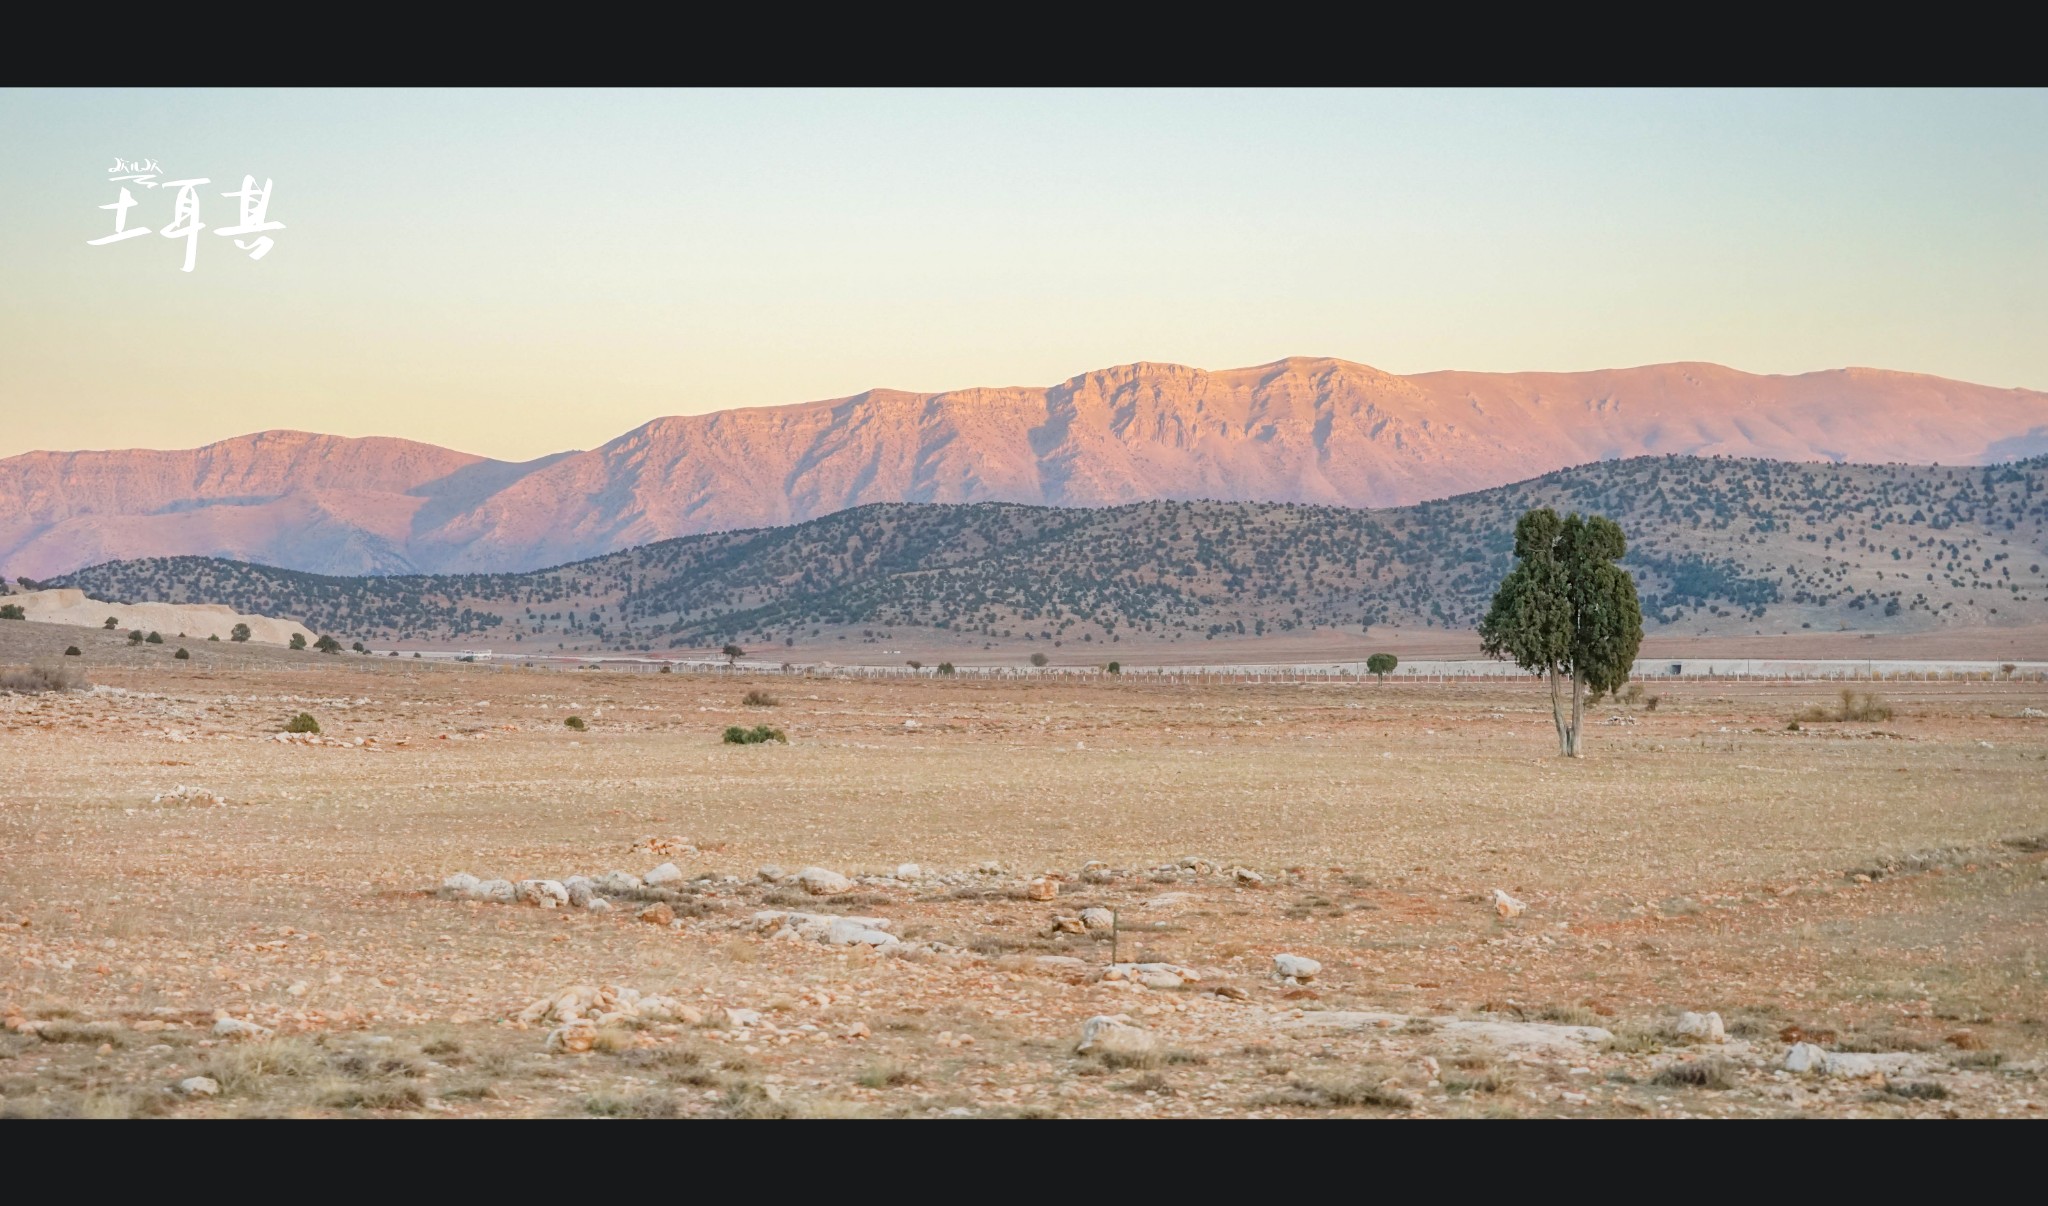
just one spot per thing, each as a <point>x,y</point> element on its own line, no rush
<point>201,917</point>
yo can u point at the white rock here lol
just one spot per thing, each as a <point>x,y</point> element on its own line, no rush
<point>1152,975</point>
<point>743,1017</point>
<point>573,1037</point>
<point>617,881</point>
<point>598,904</point>
<point>1298,967</point>
<point>1702,1028</point>
<point>500,891</point>
<point>820,882</point>
<point>199,1086</point>
<point>1507,906</point>
<point>1245,875</point>
<point>543,892</point>
<point>770,873</point>
<point>235,1028</point>
<point>667,873</point>
<point>1042,888</point>
<point>1805,1057</point>
<point>1097,919</point>
<point>909,871</point>
<point>581,891</point>
<point>462,883</point>
<point>1113,1034</point>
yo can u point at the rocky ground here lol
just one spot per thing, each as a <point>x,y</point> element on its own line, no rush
<point>1002,899</point>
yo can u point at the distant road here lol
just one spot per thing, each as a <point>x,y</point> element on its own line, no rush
<point>1408,671</point>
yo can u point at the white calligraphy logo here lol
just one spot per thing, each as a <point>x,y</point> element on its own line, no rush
<point>185,223</point>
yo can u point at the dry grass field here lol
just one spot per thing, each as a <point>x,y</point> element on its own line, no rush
<point>1878,888</point>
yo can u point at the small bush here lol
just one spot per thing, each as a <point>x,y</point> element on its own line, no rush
<point>12,611</point>
<point>1710,1072</point>
<point>156,638</point>
<point>327,644</point>
<point>36,680</point>
<point>181,655</point>
<point>576,723</point>
<point>239,632</point>
<point>72,651</point>
<point>1115,667</point>
<point>1039,659</point>
<point>946,668</point>
<point>111,624</point>
<point>302,723</point>
<point>135,637</point>
<point>1330,1093</point>
<point>1650,704</point>
<point>644,1104</point>
<point>298,640</point>
<point>215,638</point>
<point>1916,1090</point>
<point>760,699</point>
<point>1853,707</point>
<point>736,735</point>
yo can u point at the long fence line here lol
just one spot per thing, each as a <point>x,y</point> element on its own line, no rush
<point>1335,673</point>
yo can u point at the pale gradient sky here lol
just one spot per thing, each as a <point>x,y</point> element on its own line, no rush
<point>516,273</point>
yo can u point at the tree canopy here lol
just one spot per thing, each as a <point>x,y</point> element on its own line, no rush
<point>1566,610</point>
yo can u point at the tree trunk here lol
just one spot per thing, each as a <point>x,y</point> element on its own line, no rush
<point>1571,743</point>
<point>1564,743</point>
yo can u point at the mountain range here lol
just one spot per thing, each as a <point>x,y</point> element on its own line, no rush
<point>1319,431</point>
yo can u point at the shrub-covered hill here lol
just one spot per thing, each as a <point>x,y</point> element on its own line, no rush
<point>1716,545</point>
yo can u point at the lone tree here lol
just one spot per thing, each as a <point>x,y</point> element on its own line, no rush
<point>733,654</point>
<point>1039,659</point>
<point>1567,611</point>
<point>327,644</point>
<point>298,640</point>
<point>1381,664</point>
<point>111,624</point>
<point>239,632</point>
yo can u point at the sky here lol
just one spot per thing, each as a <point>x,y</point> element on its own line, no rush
<point>515,273</point>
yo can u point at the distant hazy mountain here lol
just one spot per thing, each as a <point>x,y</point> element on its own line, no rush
<point>1302,430</point>
<point>1716,545</point>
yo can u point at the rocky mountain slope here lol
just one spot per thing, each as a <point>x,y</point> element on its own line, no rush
<point>1717,545</point>
<point>1318,431</point>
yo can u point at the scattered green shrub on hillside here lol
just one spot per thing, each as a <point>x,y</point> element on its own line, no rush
<point>1039,659</point>
<point>327,644</point>
<point>111,624</point>
<point>759,699</point>
<point>946,668</point>
<point>155,638</point>
<point>135,637</point>
<point>181,655</point>
<point>302,723</point>
<point>72,651</point>
<point>737,735</point>
<point>576,723</point>
<point>239,632</point>
<point>12,611</point>
<point>298,640</point>
<point>214,637</point>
